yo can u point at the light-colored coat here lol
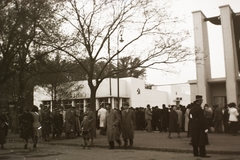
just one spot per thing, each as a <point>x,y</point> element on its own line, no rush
<point>186,119</point>
<point>127,125</point>
<point>148,114</point>
<point>112,122</point>
<point>102,116</point>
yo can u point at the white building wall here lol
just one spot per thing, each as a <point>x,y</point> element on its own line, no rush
<point>156,98</point>
<point>176,90</point>
<point>140,96</point>
<point>131,88</point>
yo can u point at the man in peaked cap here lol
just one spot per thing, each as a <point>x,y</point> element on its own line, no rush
<point>198,128</point>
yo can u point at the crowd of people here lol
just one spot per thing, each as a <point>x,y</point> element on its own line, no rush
<point>120,123</point>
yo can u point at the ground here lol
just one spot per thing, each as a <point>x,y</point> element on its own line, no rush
<point>46,151</point>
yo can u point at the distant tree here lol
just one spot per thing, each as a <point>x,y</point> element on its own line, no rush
<point>57,76</point>
<point>128,62</point>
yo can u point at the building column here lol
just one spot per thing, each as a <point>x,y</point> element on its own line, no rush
<point>202,55</point>
<point>230,53</point>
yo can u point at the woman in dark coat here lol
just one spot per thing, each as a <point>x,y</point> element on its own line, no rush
<point>174,123</point>
<point>26,126</point>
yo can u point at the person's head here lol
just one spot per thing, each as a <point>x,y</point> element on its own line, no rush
<point>163,106</point>
<point>148,106</point>
<point>199,99</point>
<point>206,106</point>
<point>87,107</point>
<point>108,106</point>
<point>126,105</point>
<point>34,108</point>
<point>232,105</point>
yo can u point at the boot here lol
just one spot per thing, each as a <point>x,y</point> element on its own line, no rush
<point>111,144</point>
<point>131,142</point>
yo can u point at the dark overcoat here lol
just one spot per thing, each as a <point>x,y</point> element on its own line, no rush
<point>2,129</point>
<point>70,121</point>
<point>173,122</point>
<point>91,118</point>
<point>198,126</point>
<point>127,124</point>
<point>57,123</point>
<point>46,121</point>
<point>26,125</point>
<point>112,122</point>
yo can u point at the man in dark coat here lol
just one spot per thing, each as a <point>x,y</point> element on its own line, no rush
<point>164,118</point>
<point>198,128</point>
<point>127,125</point>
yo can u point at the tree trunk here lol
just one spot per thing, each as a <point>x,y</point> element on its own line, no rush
<point>93,108</point>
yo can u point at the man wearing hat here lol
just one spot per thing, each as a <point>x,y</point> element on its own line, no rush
<point>112,123</point>
<point>198,128</point>
<point>127,125</point>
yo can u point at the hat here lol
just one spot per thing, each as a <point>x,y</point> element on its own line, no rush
<point>232,104</point>
<point>109,104</point>
<point>199,97</point>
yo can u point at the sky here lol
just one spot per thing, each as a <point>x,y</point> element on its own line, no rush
<point>187,71</point>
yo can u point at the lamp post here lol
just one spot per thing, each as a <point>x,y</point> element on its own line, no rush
<point>119,39</point>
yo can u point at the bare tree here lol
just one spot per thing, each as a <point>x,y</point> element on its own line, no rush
<point>148,31</point>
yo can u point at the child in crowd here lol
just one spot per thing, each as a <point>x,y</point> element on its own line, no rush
<point>86,127</point>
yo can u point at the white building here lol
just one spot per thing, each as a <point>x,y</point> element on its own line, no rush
<point>131,90</point>
<point>179,91</point>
